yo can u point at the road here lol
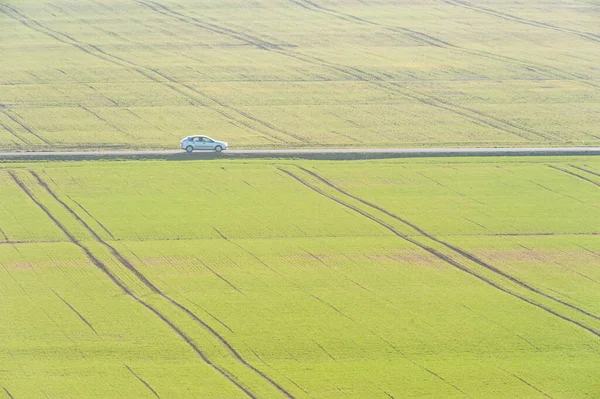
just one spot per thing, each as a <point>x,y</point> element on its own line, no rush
<point>366,153</point>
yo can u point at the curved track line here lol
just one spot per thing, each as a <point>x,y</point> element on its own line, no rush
<point>525,382</point>
<point>502,327</point>
<point>214,28</point>
<point>586,170</point>
<point>508,17</point>
<point>418,37</point>
<point>149,73</point>
<point>428,39</point>
<point>356,73</point>
<point>93,218</point>
<point>143,382</point>
<point>3,234</point>
<point>157,291</point>
<point>574,174</point>
<point>14,134</point>
<point>463,111</point>
<point>115,279</point>
<point>441,256</point>
<point>455,249</point>
<point>24,126</point>
<point>77,313</point>
<point>469,114</point>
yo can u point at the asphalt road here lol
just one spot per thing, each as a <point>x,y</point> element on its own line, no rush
<point>354,153</point>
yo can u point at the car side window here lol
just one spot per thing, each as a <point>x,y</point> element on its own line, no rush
<point>195,139</point>
<point>207,140</point>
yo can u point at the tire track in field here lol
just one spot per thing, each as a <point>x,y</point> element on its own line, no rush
<point>268,130</point>
<point>577,175</point>
<point>251,40</point>
<point>418,37</point>
<point>77,313</point>
<point>453,248</point>
<point>243,37</point>
<point>71,238</point>
<point>118,282</point>
<point>8,393</point>
<point>14,134</point>
<point>254,40</point>
<point>143,381</point>
<point>23,125</point>
<point>585,170</point>
<point>221,277</point>
<point>472,115</point>
<point>405,357</point>
<point>428,39</point>
<point>141,69</point>
<point>553,192</point>
<point>157,291</point>
<point>442,256</point>
<point>524,381</point>
<point>361,75</point>
<point>509,17</point>
<point>6,240</point>
<point>316,258</point>
<point>501,326</point>
<point>324,350</point>
<point>104,120</point>
<point>212,315</point>
<point>92,217</point>
<point>441,378</point>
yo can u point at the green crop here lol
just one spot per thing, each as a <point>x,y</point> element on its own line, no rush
<point>280,74</point>
<point>403,278</point>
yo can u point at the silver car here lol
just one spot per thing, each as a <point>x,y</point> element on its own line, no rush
<point>192,143</point>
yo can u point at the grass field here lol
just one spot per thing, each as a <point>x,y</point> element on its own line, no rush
<point>298,73</point>
<point>433,278</point>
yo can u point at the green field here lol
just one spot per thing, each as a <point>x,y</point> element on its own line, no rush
<point>298,73</point>
<point>431,278</point>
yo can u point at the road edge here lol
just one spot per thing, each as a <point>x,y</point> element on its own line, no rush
<point>325,154</point>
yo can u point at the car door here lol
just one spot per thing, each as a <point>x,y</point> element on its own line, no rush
<point>208,144</point>
<point>197,143</point>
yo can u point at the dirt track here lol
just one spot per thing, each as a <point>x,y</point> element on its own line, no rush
<point>331,154</point>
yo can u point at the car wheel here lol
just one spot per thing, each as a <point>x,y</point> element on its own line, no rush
<point>189,148</point>
<point>218,148</point>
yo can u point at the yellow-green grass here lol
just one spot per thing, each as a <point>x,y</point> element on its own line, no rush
<point>48,350</point>
<point>280,74</point>
<point>489,197</point>
<point>332,279</point>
